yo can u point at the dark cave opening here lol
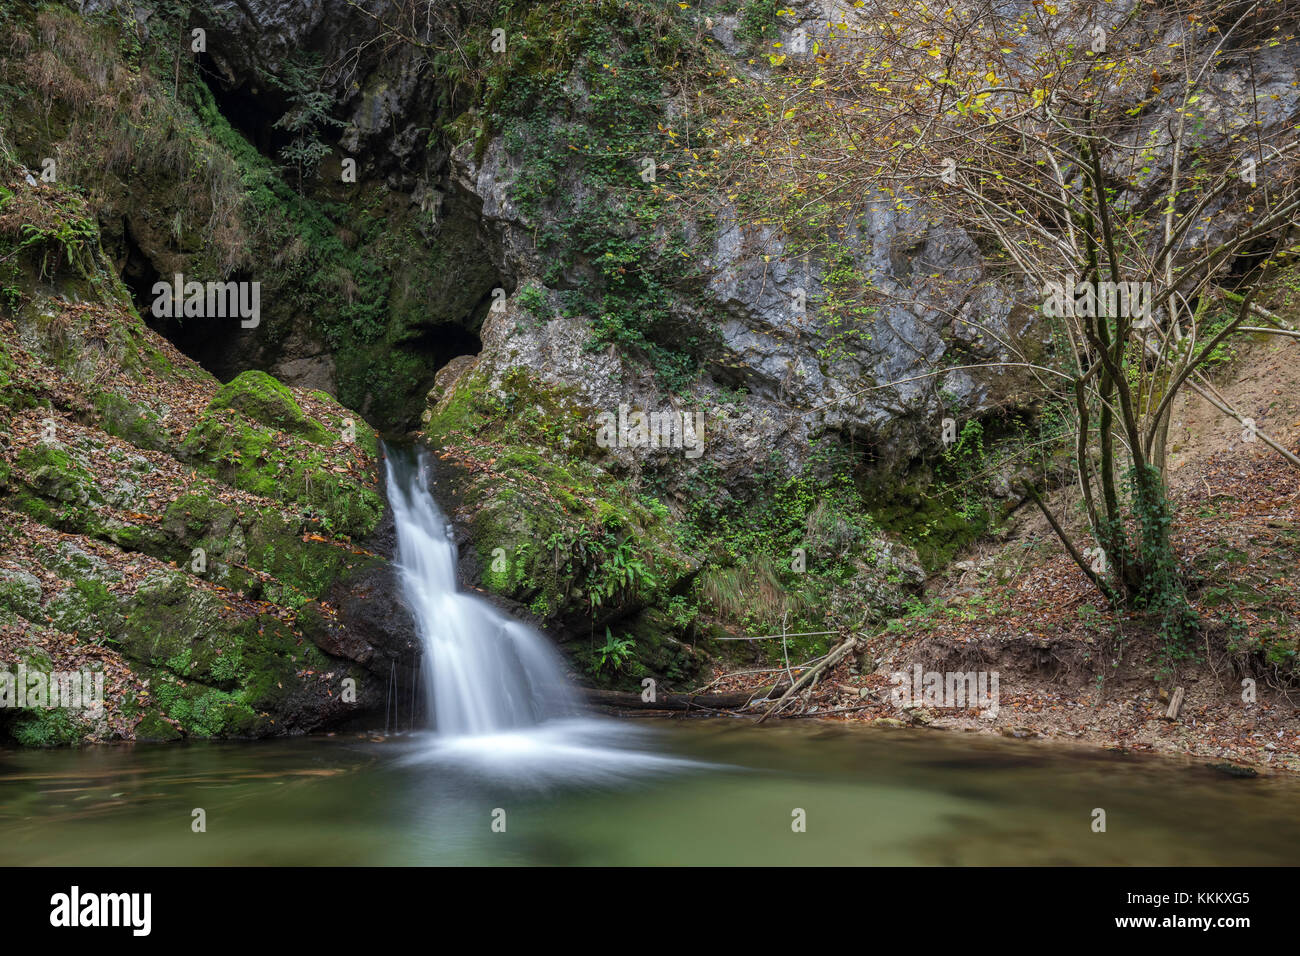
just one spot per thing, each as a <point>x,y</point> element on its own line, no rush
<point>387,390</point>
<point>223,348</point>
<point>444,343</point>
<point>1248,264</point>
<point>252,112</point>
<point>206,341</point>
<point>138,272</point>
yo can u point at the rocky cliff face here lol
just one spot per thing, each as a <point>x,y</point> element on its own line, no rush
<point>506,270</point>
<point>320,174</point>
<point>830,359</point>
<point>215,552</point>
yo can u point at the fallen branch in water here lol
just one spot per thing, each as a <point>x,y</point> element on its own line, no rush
<point>831,659</point>
<point>633,700</point>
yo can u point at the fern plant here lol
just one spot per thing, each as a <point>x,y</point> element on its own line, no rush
<point>617,652</point>
<point>622,572</point>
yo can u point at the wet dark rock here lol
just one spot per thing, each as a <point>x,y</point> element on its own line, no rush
<point>1234,770</point>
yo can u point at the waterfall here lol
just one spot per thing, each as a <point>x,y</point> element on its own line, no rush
<point>483,673</point>
<point>502,708</point>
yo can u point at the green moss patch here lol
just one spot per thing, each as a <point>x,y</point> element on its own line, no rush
<point>262,399</point>
<point>268,462</point>
<point>550,528</point>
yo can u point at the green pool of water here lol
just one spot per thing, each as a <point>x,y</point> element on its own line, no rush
<point>659,792</point>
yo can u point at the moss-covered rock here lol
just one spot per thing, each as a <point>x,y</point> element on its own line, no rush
<point>303,566</point>
<point>318,476</point>
<point>138,424</point>
<point>551,529</point>
<point>55,474</point>
<point>173,624</point>
<point>204,525</point>
<point>88,608</point>
<point>21,594</point>
<point>660,650</point>
<point>264,400</point>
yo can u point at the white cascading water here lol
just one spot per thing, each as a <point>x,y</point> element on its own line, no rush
<point>483,673</point>
<point>495,687</point>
